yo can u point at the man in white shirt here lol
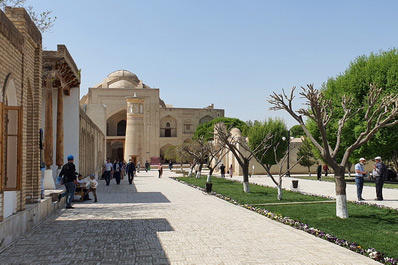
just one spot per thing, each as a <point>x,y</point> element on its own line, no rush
<point>108,166</point>
<point>360,173</point>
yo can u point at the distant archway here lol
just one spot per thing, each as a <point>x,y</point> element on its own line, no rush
<point>168,127</point>
<point>162,152</point>
<point>121,128</point>
<point>116,123</point>
<point>205,119</point>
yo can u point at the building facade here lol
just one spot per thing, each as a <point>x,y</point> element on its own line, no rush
<point>60,112</point>
<point>20,106</point>
<point>91,148</point>
<point>138,124</point>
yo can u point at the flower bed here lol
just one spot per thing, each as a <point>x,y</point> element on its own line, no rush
<point>371,252</point>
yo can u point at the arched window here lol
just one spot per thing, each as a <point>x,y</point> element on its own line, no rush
<point>168,127</point>
<point>13,137</point>
<point>121,128</point>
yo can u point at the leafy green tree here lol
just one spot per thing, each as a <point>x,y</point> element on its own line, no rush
<point>206,130</point>
<point>278,143</point>
<point>43,21</point>
<point>381,69</point>
<point>305,155</point>
<point>296,131</point>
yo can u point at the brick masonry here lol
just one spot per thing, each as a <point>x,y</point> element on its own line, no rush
<point>20,62</point>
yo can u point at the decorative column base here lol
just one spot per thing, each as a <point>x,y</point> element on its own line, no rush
<point>48,181</point>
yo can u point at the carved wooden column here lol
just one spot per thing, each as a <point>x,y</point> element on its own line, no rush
<point>48,132</point>
<point>59,160</point>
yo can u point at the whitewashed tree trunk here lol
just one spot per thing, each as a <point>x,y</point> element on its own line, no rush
<point>341,206</point>
<point>190,172</point>
<point>198,175</point>
<point>279,193</point>
<point>208,178</point>
<point>246,187</point>
<point>341,197</point>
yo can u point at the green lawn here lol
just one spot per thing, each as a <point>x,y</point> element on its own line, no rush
<point>387,184</point>
<point>368,226</point>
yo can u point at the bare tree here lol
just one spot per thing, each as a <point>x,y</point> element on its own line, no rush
<point>259,153</point>
<point>215,156</point>
<point>43,21</point>
<point>379,111</point>
<point>198,149</point>
<point>185,157</point>
<point>238,146</point>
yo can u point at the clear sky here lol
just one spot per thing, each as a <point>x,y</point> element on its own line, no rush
<point>227,52</point>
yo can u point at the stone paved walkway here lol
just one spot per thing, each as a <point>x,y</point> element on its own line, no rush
<point>161,221</point>
<point>328,189</point>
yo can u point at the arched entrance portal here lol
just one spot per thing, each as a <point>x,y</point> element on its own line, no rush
<point>115,149</point>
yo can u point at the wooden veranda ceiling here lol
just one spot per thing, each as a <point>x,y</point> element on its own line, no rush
<point>60,69</point>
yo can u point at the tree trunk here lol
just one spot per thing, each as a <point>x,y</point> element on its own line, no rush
<point>309,171</point>
<point>279,192</point>
<point>198,174</point>
<point>280,188</point>
<point>349,169</point>
<point>210,174</point>
<point>190,172</point>
<point>245,170</point>
<point>208,178</point>
<point>341,197</point>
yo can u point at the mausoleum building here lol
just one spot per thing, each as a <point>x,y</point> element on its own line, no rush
<point>137,123</point>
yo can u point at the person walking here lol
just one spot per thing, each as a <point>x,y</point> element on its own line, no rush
<point>160,170</point>
<point>108,167</point>
<point>380,174</point>
<point>117,169</point>
<point>319,171</point>
<point>231,171</point>
<point>68,172</point>
<point>222,170</point>
<point>147,166</point>
<point>325,169</point>
<point>171,165</point>
<point>360,174</point>
<point>131,171</point>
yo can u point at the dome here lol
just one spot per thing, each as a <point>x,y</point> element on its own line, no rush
<point>122,79</point>
<point>123,73</point>
<point>121,84</point>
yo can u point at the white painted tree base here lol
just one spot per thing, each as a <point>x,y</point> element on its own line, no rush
<point>190,173</point>
<point>341,206</point>
<point>198,175</point>
<point>246,187</point>
<point>208,178</point>
<point>279,193</point>
<point>48,181</point>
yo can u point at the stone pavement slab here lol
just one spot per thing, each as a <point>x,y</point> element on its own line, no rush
<point>161,221</point>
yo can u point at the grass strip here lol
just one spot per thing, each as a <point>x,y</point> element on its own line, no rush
<point>370,227</point>
<point>371,183</point>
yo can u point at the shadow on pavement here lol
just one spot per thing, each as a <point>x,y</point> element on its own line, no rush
<point>90,242</point>
<point>124,193</point>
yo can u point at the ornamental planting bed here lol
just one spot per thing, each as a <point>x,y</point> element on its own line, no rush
<point>374,229</point>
